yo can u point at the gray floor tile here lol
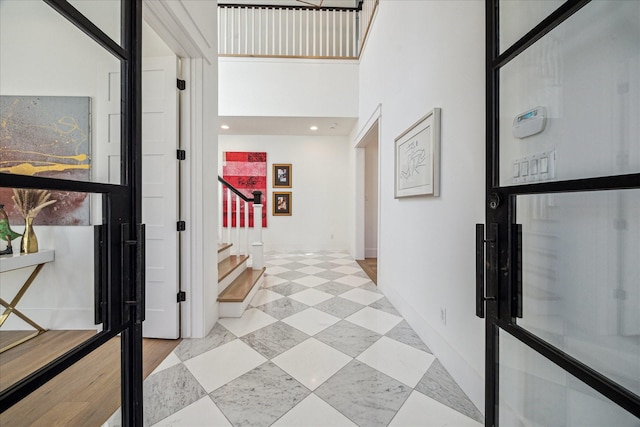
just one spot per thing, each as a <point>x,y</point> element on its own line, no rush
<point>334,288</point>
<point>259,397</point>
<point>274,339</point>
<point>348,338</point>
<point>282,308</point>
<point>339,307</point>
<point>168,391</point>
<point>370,287</point>
<point>440,386</point>
<point>290,275</point>
<point>384,305</point>
<point>330,275</point>
<point>218,336</point>
<point>287,289</point>
<point>364,395</point>
<point>403,333</point>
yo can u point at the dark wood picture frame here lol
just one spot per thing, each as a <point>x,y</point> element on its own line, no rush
<point>281,203</point>
<point>282,175</point>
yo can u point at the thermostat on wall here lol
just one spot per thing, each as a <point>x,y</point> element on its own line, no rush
<point>530,122</point>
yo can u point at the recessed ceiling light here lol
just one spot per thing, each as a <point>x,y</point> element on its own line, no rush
<point>225,127</point>
<point>314,128</point>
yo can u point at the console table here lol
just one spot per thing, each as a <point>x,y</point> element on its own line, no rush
<point>14,262</point>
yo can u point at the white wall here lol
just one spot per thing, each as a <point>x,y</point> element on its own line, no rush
<point>319,205</point>
<point>288,87</point>
<point>422,55</point>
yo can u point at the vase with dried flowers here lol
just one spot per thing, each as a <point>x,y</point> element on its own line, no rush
<point>30,202</point>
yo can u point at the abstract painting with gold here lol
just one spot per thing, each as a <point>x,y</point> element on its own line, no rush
<point>47,136</point>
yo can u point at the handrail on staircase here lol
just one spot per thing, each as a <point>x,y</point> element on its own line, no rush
<point>257,195</point>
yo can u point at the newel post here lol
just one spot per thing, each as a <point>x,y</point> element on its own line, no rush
<point>257,251</point>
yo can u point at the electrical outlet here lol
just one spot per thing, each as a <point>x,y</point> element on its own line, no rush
<point>443,315</point>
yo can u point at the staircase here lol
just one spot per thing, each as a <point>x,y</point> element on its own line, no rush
<point>237,282</point>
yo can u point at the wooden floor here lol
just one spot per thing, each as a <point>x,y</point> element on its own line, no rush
<point>370,266</point>
<point>86,394</point>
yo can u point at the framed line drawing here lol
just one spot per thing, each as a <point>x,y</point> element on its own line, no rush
<point>282,203</point>
<point>282,176</point>
<point>417,158</point>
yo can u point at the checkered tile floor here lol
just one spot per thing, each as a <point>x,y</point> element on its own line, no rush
<point>318,346</point>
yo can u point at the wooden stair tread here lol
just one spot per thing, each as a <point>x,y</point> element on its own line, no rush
<point>240,288</point>
<point>223,246</point>
<point>227,265</point>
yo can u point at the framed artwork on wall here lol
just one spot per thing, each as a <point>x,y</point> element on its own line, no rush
<point>282,203</point>
<point>282,176</point>
<point>47,136</point>
<point>417,158</point>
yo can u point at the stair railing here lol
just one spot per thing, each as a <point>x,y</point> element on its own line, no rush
<point>242,234</point>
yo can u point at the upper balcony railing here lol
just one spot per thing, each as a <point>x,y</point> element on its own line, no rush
<point>295,32</point>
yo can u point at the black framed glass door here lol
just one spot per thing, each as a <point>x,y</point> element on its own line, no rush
<point>558,275</point>
<point>53,62</point>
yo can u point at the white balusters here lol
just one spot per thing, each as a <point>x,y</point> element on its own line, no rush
<point>297,32</point>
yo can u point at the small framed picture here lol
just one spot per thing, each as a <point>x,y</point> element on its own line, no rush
<point>417,158</point>
<point>282,176</point>
<point>282,203</point>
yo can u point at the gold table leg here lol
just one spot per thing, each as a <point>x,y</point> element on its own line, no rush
<point>11,308</point>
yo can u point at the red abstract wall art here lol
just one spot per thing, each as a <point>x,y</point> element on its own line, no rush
<point>247,172</point>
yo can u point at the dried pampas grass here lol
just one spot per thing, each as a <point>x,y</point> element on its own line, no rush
<point>31,202</point>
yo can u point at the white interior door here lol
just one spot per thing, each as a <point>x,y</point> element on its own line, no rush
<point>160,195</point>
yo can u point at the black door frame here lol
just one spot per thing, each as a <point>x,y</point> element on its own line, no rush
<point>120,241</point>
<point>501,298</point>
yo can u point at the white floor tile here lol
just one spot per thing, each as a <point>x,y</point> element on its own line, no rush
<point>310,261</point>
<point>310,281</point>
<point>339,255</point>
<point>343,261</point>
<point>375,320</point>
<point>313,412</point>
<point>277,261</point>
<point>217,367</point>
<point>201,413</point>
<point>311,362</point>
<point>311,321</point>
<point>169,361</point>
<point>252,320</point>
<point>264,296</point>
<point>346,270</point>
<point>361,296</point>
<point>420,410</point>
<point>400,361</point>
<point>273,270</point>
<point>354,281</point>
<point>311,270</point>
<point>311,297</point>
<point>271,281</point>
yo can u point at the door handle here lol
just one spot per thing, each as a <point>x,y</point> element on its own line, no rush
<point>482,266</point>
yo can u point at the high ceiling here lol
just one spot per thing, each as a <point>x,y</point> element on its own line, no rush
<point>316,3</point>
<point>299,126</point>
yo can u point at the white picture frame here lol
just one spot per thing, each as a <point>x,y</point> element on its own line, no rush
<point>417,158</point>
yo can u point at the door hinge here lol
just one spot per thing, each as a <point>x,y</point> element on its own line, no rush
<point>182,296</point>
<point>181,225</point>
<point>181,154</point>
<point>182,84</point>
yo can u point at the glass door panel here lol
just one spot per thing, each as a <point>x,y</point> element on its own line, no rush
<point>536,392</point>
<point>60,97</point>
<point>51,300</point>
<point>105,14</point>
<point>519,17</point>
<point>62,401</point>
<point>569,104</point>
<point>581,277</point>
